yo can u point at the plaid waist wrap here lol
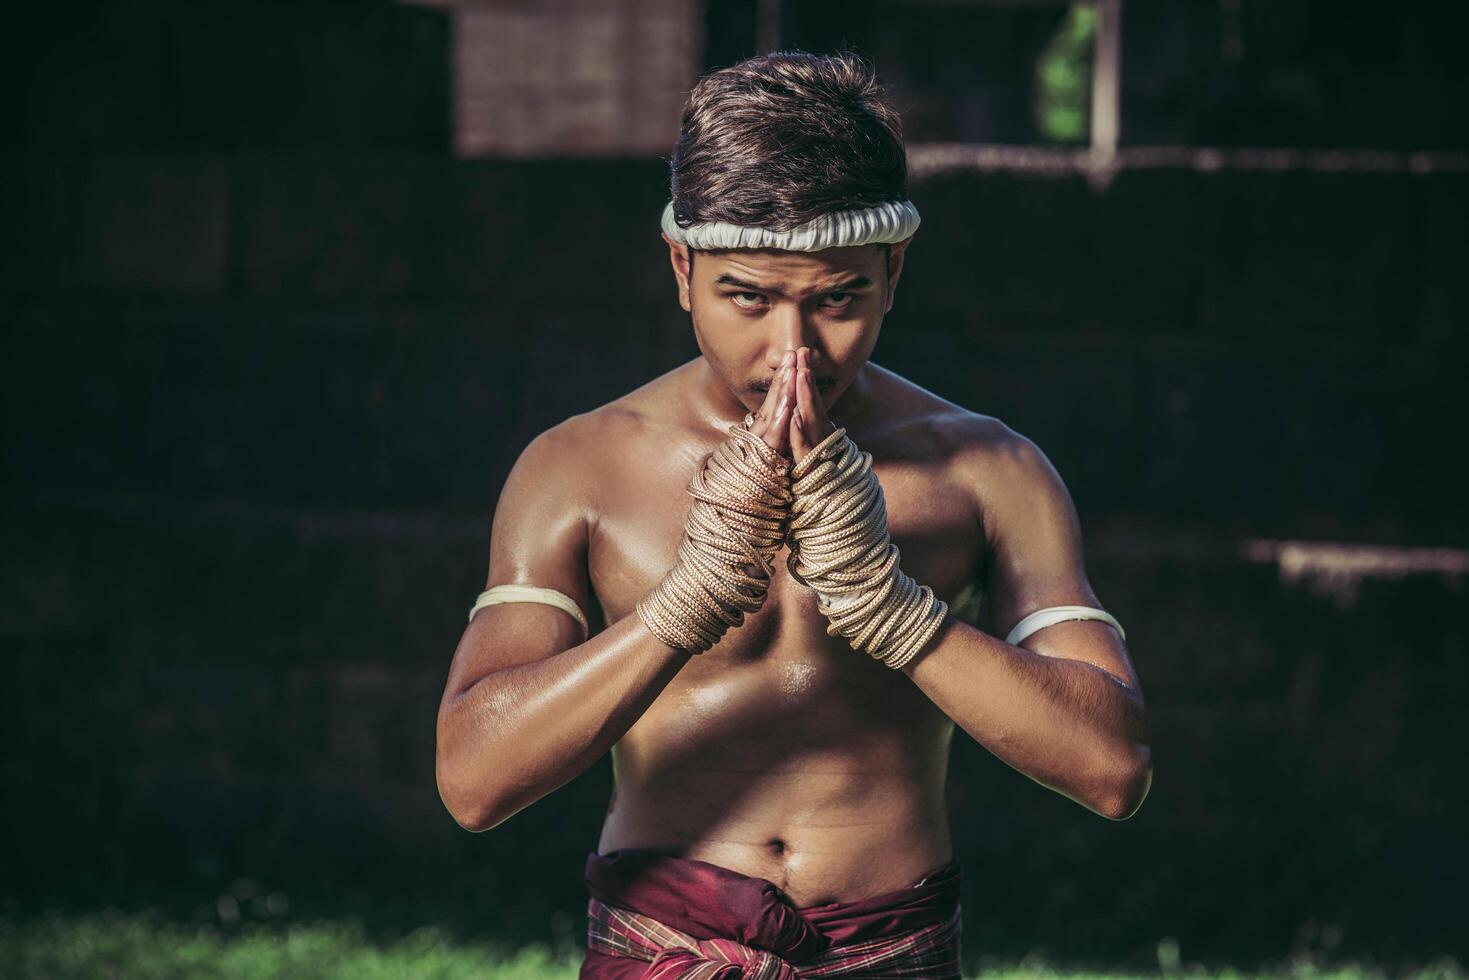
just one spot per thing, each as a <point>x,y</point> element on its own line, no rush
<point>657,917</point>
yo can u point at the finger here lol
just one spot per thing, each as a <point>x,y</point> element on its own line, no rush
<point>803,430</point>
<point>780,432</point>
<point>816,411</point>
<point>774,428</point>
<point>778,386</point>
<point>805,404</point>
<point>817,425</point>
<point>793,424</point>
<point>770,407</point>
<point>799,446</point>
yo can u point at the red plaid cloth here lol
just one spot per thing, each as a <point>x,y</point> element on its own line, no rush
<point>676,919</point>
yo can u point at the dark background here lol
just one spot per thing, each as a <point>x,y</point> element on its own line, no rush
<point>269,350</point>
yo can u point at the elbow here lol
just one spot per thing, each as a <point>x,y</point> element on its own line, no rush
<point>479,801</point>
<point>477,811</point>
<point>477,784</point>
<point>465,784</point>
<point>468,809</point>
<point>471,801</point>
<point>1128,787</point>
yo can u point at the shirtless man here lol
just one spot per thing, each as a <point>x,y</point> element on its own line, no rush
<point>781,758</point>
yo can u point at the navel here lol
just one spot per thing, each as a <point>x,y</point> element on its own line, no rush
<point>777,846</point>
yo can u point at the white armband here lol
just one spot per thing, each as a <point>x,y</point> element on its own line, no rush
<point>531,593</point>
<point>1042,618</point>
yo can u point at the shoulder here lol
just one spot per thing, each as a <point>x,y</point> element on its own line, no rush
<point>997,463</point>
<point>570,462</point>
<point>998,458</point>
<point>1024,507</point>
<point>591,434</point>
<point>579,438</point>
<point>965,437</point>
<point>1009,477</point>
<point>561,467</point>
<point>550,504</point>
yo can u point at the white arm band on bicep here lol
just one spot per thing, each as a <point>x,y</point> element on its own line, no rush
<point>1042,618</point>
<point>531,593</point>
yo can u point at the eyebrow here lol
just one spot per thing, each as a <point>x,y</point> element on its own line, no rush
<point>856,282</point>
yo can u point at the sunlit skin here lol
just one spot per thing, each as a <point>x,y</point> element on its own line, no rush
<point>783,753</point>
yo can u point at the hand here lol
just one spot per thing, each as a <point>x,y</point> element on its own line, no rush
<point>733,530</point>
<point>773,417</point>
<point>809,424</point>
<point>841,547</point>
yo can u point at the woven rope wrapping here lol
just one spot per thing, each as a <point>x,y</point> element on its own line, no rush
<point>840,547</point>
<point>735,525</point>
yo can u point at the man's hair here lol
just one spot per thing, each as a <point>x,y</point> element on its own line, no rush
<point>782,138</point>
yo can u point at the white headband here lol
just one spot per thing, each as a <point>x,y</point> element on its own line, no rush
<point>891,221</point>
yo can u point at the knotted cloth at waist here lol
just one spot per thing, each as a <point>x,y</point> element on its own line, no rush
<point>654,915</point>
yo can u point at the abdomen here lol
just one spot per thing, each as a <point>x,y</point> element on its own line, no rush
<point>810,765</point>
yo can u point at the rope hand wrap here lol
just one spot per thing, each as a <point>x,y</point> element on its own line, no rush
<point>840,548</point>
<point>735,526</point>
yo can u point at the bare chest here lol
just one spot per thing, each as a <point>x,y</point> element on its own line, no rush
<point>782,732</point>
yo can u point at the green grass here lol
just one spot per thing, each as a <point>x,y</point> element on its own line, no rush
<point>134,947</point>
<point>126,946</point>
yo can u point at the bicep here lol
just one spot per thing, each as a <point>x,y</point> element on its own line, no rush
<point>538,537</point>
<point>1036,560</point>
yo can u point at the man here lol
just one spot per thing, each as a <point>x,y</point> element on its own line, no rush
<point>773,532</point>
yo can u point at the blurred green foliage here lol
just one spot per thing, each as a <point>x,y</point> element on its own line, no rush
<point>1063,77</point>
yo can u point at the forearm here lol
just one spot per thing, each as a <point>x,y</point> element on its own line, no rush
<point>520,733</point>
<point>1066,724</point>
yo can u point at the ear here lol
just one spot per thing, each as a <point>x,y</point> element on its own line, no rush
<point>678,254</point>
<point>895,269</point>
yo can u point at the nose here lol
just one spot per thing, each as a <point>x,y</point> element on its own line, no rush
<point>790,329</point>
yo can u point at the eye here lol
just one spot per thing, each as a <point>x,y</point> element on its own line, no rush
<point>747,300</point>
<point>837,300</point>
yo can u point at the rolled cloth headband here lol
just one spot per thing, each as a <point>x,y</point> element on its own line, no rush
<point>888,222</point>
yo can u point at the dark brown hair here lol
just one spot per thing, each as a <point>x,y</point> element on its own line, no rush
<point>782,138</point>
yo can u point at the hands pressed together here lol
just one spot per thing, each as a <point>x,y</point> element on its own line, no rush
<point>791,476</point>
<point>792,419</point>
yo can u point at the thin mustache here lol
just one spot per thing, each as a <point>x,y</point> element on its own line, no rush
<point>764,386</point>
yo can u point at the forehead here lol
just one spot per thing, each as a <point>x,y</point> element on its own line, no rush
<point>783,267</point>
